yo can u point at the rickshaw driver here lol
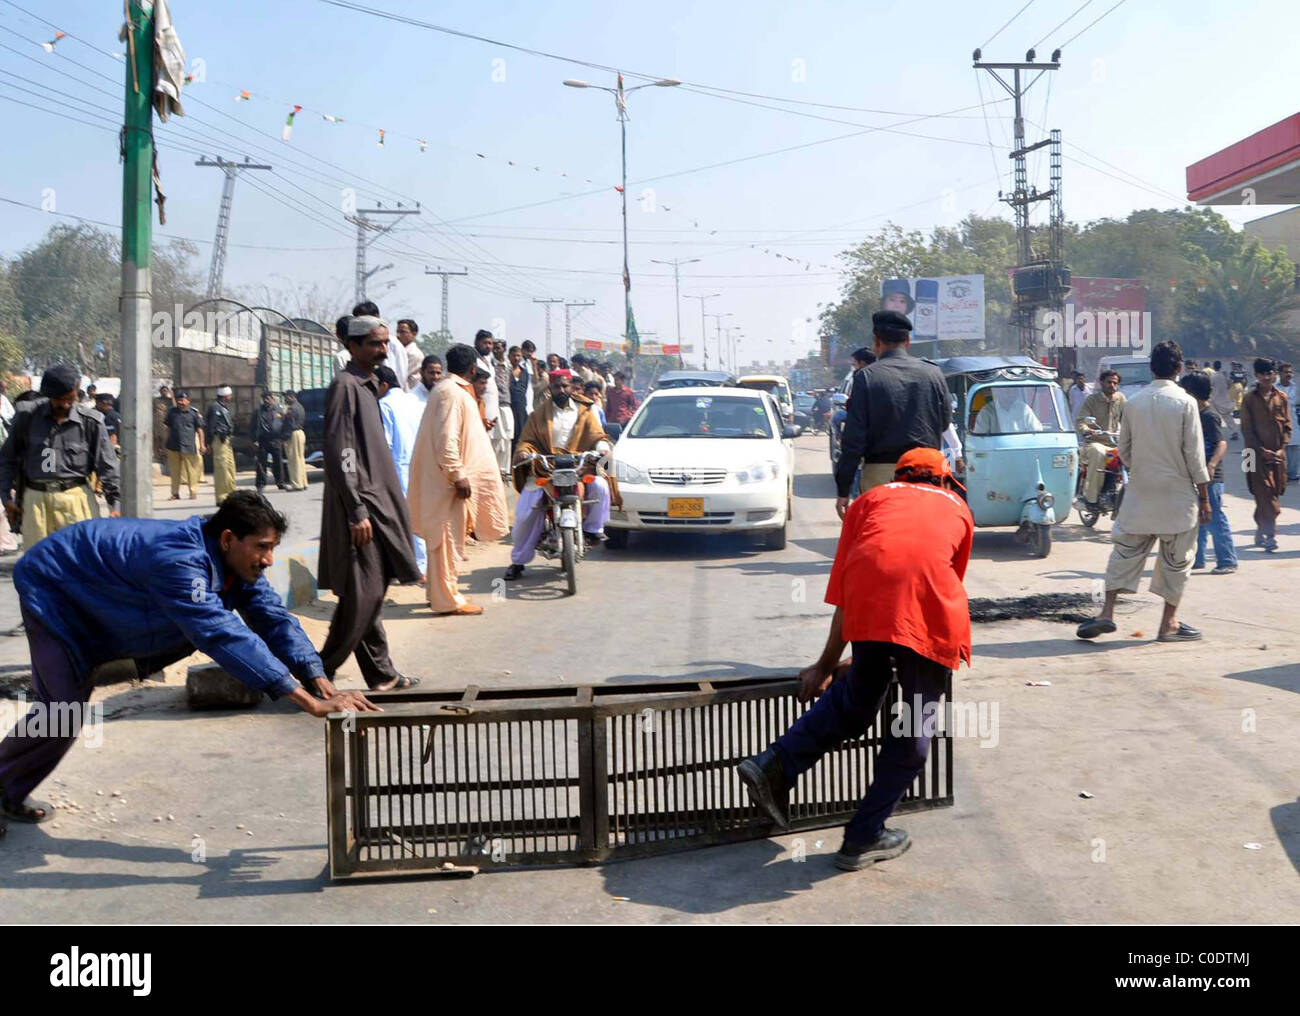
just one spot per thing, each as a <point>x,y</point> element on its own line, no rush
<point>1009,412</point>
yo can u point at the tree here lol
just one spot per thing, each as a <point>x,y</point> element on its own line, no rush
<point>1239,305</point>
<point>66,289</point>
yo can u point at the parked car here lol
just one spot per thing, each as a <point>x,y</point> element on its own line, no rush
<point>803,403</point>
<point>705,460</point>
<point>693,379</point>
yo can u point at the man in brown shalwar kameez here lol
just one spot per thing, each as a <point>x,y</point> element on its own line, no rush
<point>365,540</point>
<point>1266,431</point>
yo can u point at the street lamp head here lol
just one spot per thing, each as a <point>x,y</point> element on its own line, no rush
<point>575,83</point>
<point>667,83</point>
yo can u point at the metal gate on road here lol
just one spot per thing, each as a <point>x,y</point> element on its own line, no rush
<point>556,775</point>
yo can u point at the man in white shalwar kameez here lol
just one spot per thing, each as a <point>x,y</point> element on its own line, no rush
<point>1166,499</point>
<point>401,413</point>
<point>455,478</point>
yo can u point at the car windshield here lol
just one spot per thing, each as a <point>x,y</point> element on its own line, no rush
<point>702,416</point>
<point>1132,374</point>
<point>1018,409</point>
<point>803,402</point>
<point>688,382</point>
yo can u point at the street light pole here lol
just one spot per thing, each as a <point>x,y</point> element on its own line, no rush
<point>620,104</point>
<point>677,296</point>
<point>704,337</point>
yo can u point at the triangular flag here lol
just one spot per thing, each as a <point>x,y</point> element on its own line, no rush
<point>331,119</point>
<point>288,123</point>
<point>243,96</point>
<point>618,188</point>
<point>422,143</point>
<point>381,137</point>
<point>189,79</point>
<point>49,46</point>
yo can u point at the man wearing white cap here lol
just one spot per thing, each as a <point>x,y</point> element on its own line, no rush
<point>220,427</point>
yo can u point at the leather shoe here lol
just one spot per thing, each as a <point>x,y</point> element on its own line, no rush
<point>764,778</point>
<point>855,856</point>
<point>513,572</point>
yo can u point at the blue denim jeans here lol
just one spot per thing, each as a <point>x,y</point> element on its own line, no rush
<point>1225,554</point>
<point>848,708</point>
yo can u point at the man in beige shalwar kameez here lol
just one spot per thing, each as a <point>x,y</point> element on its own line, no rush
<point>455,478</point>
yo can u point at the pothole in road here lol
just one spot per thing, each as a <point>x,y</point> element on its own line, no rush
<point>1071,607</point>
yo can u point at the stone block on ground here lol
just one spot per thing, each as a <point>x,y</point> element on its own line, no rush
<point>210,687</point>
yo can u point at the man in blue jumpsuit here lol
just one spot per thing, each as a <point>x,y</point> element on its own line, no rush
<point>163,589</point>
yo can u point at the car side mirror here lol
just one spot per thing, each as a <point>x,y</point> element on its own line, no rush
<point>791,430</point>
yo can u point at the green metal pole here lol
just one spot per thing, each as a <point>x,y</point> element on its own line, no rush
<point>137,258</point>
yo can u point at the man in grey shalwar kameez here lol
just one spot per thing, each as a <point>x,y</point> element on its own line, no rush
<point>365,540</point>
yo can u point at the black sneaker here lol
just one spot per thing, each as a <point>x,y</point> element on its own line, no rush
<point>513,572</point>
<point>765,780</point>
<point>855,856</point>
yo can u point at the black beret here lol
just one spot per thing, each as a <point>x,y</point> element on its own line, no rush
<point>182,394</point>
<point>59,380</point>
<point>891,319</point>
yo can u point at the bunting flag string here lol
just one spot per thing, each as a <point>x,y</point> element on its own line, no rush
<point>381,137</point>
<point>331,119</point>
<point>49,46</point>
<point>243,96</point>
<point>288,123</point>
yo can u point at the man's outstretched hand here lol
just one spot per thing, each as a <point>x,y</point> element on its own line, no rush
<point>344,702</point>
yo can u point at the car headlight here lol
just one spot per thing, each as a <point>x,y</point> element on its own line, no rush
<point>627,473</point>
<point>759,472</point>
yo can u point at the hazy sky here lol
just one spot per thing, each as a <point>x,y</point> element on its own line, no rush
<point>1152,87</point>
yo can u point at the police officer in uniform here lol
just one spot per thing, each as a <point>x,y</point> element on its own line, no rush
<point>220,427</point>
<point>267,430</point>
<point>295,442</point>
<point>48,457</point>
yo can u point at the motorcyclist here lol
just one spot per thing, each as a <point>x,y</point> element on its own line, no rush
<point>1106,407</point>
<point>563,423</point>
<point>822,409</point>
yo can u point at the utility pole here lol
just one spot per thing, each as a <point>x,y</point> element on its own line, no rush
<point>1037,282</point>
<point>217,269</point>
<point>717,324</point>
<point>546,306</point>
<point>444,331</point>
<point>568,324</point>
<point>137,259</point>
<point>677,296</point>
<point>704,338</point>
<point>362,221</point>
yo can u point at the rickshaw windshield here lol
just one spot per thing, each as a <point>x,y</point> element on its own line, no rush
<point>1018,409</point>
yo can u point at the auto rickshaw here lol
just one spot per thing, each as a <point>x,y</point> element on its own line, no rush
<point>1021,450</point>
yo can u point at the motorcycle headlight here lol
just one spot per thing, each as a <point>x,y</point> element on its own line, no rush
<point>759,472</point>
<point>627,473</point>
<point>1045,500</point>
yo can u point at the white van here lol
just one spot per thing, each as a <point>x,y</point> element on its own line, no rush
<point>1134,372</point>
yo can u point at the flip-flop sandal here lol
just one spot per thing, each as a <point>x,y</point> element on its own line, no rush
<point>1097,626</point>
<point>33,812</point>
<point>1184,633</point>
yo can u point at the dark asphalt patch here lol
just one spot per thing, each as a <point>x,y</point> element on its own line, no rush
<point>1064,607</point>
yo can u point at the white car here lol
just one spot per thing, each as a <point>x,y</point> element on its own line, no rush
<point>717,460</point>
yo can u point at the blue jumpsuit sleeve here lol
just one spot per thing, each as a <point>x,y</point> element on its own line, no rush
<point>182,590</point>
<point>265,613</point>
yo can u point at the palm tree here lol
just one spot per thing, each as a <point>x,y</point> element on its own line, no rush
<point>1239,304</point>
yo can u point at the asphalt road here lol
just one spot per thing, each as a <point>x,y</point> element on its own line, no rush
<point>1187,751</point>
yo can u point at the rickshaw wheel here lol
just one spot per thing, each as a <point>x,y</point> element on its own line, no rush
<point>1088,517</point>
<point>1040,540</point>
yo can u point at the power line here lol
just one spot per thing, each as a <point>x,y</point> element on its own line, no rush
<point>1008,24</point>
<point>1062,24</point>
<point>1089,25</point>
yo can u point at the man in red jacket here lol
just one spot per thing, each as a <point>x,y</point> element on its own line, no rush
<point>897,590</point>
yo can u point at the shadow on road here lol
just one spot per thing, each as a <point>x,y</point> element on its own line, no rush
<point>238,873</point>
<point>714,880</point>
<point>1286,824</point>
<point>1055,647</point>
<point>708,670</point>
<point>815,485</point>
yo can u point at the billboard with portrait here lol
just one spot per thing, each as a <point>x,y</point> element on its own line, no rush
<point>947,308</point>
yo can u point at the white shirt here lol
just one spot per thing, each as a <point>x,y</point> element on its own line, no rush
<point>491,397</point>
<point>421,393</point>
<point>1220,396</point>
<point>1162,445</point>
<point>1077,396</point>
<point>6,410</point>
<point>563,423</point>
<point>414,359</point>
<point>1290,391</point>
<point>951,445</point>
<point>1016,418</point>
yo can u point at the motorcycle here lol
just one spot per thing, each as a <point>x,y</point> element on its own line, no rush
<point>1112,487</point>
<point>562,535</point>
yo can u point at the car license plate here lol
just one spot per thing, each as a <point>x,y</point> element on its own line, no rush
<point>685,507</point>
